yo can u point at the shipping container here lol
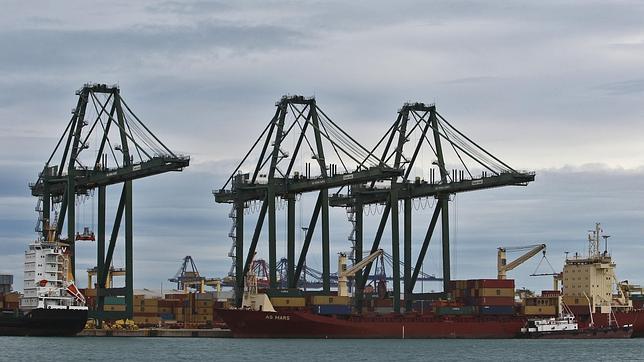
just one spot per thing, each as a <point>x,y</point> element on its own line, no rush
<point>383,302</point>
<point>492,292</point>
<point>114,300</point>
<point>495,310</point>
<point>177,296</point>
<point>335,309</point>
<point>383,310</point>
<point>151,302</point>
<point>464,310</point>
<point>500,301</point>
<point>329,299</point>
<point>169,303</point>
<point>493,283</point>
<point>204,296</point>
<point>114,307</point>
<point>203,311</point>
<point>288,302</point>
<point>286,293</point>
<point>166,316</point>
<point>549,310</point>
<point>203,303</point>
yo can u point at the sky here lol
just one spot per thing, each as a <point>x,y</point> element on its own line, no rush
<point>554,87</point>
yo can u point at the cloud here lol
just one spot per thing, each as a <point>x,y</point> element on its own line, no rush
<point>521,79</point>
<point>626,87</point>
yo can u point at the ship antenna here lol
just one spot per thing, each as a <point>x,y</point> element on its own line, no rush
<point>605,243</point>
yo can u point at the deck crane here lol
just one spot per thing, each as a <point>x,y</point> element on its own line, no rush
<point>344,273</point>
<point>503,267</point>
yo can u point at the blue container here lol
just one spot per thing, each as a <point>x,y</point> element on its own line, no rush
<point>167,316</point>
<point>496,309</point>
<point>328,309</point>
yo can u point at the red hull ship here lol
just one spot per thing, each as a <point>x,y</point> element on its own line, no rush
<point>634,317</point>
<point>305,324</point>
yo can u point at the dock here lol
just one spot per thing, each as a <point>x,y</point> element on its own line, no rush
<point>154,332</point>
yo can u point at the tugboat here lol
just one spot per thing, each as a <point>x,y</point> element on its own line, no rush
<point>565,326</point>
<point>51,305</point>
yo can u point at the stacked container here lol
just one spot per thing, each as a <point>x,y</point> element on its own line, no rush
<point>146,311</point>
<point>330,304</point>
<point>488,296</point>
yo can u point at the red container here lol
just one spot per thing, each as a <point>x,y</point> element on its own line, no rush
<point>179,296</point>
<point>383,302</point>
<point>494,283</point>
<point>169,303</point>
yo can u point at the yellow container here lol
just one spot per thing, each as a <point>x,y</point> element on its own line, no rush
<point>204,303</point>
<point>201,318</point>
<point>539,310</point>
<point>329,299</point>
<point>204,311</point>
<point>288,301</point>
<point>151,302</point>
<point>493,292</point>
<point>114,307</point>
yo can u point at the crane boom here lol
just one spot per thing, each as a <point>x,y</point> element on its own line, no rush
<point>344,273</point>
<point>503,267</point>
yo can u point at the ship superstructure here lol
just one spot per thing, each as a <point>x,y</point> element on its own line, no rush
<point>47,283</point>
<point>592,280</point>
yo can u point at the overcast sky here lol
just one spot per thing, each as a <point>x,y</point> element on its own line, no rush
<point>554,87</point>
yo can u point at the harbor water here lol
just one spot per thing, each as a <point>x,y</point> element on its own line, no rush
<point>227,349</point>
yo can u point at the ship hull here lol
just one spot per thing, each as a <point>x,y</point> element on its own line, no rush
<point>304,324</point>
<point>589,333</point>
<point>634,317</point>
<point>43,322</point>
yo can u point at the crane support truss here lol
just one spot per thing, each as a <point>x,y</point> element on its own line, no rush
<point>272,177</point>
<point>117,129</point>
<point>423,123</point>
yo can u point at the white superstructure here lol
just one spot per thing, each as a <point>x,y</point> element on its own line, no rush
<point>46,283</point>
<point>563,323</point>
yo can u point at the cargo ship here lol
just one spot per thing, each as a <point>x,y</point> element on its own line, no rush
<point>482,308</point>
<point>51,304</point>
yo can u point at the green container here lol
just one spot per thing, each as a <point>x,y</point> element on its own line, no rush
<point>115,300</point>
<point>465,310</point>
<point>286,293</point>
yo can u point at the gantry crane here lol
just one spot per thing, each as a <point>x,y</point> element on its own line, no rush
<point>274,177</point>
<point>188,277</point>
<point>126,150</point>
<point>503,266</point>
<point>419,126</point>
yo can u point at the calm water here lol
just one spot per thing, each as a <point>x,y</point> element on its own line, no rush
<point>213,349</point>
